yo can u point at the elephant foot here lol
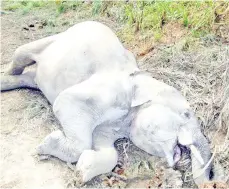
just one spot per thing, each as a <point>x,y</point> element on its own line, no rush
<point>93,163</point>
<point>87,166</point>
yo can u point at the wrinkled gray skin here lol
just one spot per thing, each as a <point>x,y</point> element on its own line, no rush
<point>99,95</point>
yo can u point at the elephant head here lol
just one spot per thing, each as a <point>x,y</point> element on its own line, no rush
<point>165,123</point>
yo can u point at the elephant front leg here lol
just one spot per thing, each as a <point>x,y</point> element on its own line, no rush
<point>92,163</point>
<point>104,156</point>
<point>56,144</point>
<point>76,136</point>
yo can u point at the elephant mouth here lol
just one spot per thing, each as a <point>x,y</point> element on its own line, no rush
<point>182,157</point>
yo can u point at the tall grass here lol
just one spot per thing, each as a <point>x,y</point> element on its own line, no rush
<point>197,17</point>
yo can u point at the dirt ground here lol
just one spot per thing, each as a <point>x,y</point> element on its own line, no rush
<point>21,130</point>
<point>26,118</point>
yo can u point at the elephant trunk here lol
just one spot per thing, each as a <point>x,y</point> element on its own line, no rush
<point>201,158</point>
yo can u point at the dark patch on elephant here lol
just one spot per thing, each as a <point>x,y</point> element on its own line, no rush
<point>90,102</point>
<point>187,115</point>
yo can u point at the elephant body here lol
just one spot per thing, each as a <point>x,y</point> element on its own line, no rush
<point>99,95</point>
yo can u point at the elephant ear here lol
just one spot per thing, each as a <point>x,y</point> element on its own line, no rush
<point>141,94</point>
<point>139,98</point>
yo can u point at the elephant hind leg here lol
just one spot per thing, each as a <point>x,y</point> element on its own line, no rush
<point>25,80</point>
<point>26,55</point>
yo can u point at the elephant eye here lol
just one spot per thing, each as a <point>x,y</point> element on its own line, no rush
<point>187,115</point>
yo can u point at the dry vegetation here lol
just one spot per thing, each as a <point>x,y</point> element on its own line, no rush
<point>203,77</point>
<point>183,44</point>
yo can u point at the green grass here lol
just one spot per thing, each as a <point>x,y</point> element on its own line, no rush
<point>13,5</point>
<point>198,17</point>
<point>195,16</point>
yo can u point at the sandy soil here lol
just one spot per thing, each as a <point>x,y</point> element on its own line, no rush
<point>22,128</point>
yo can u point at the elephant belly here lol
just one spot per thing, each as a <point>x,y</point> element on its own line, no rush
<point>78,54</point>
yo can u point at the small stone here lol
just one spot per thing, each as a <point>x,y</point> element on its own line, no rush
<point>31,25</point>
<point>25,28</point>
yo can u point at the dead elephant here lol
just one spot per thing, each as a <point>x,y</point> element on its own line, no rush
<point>99,95</point>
